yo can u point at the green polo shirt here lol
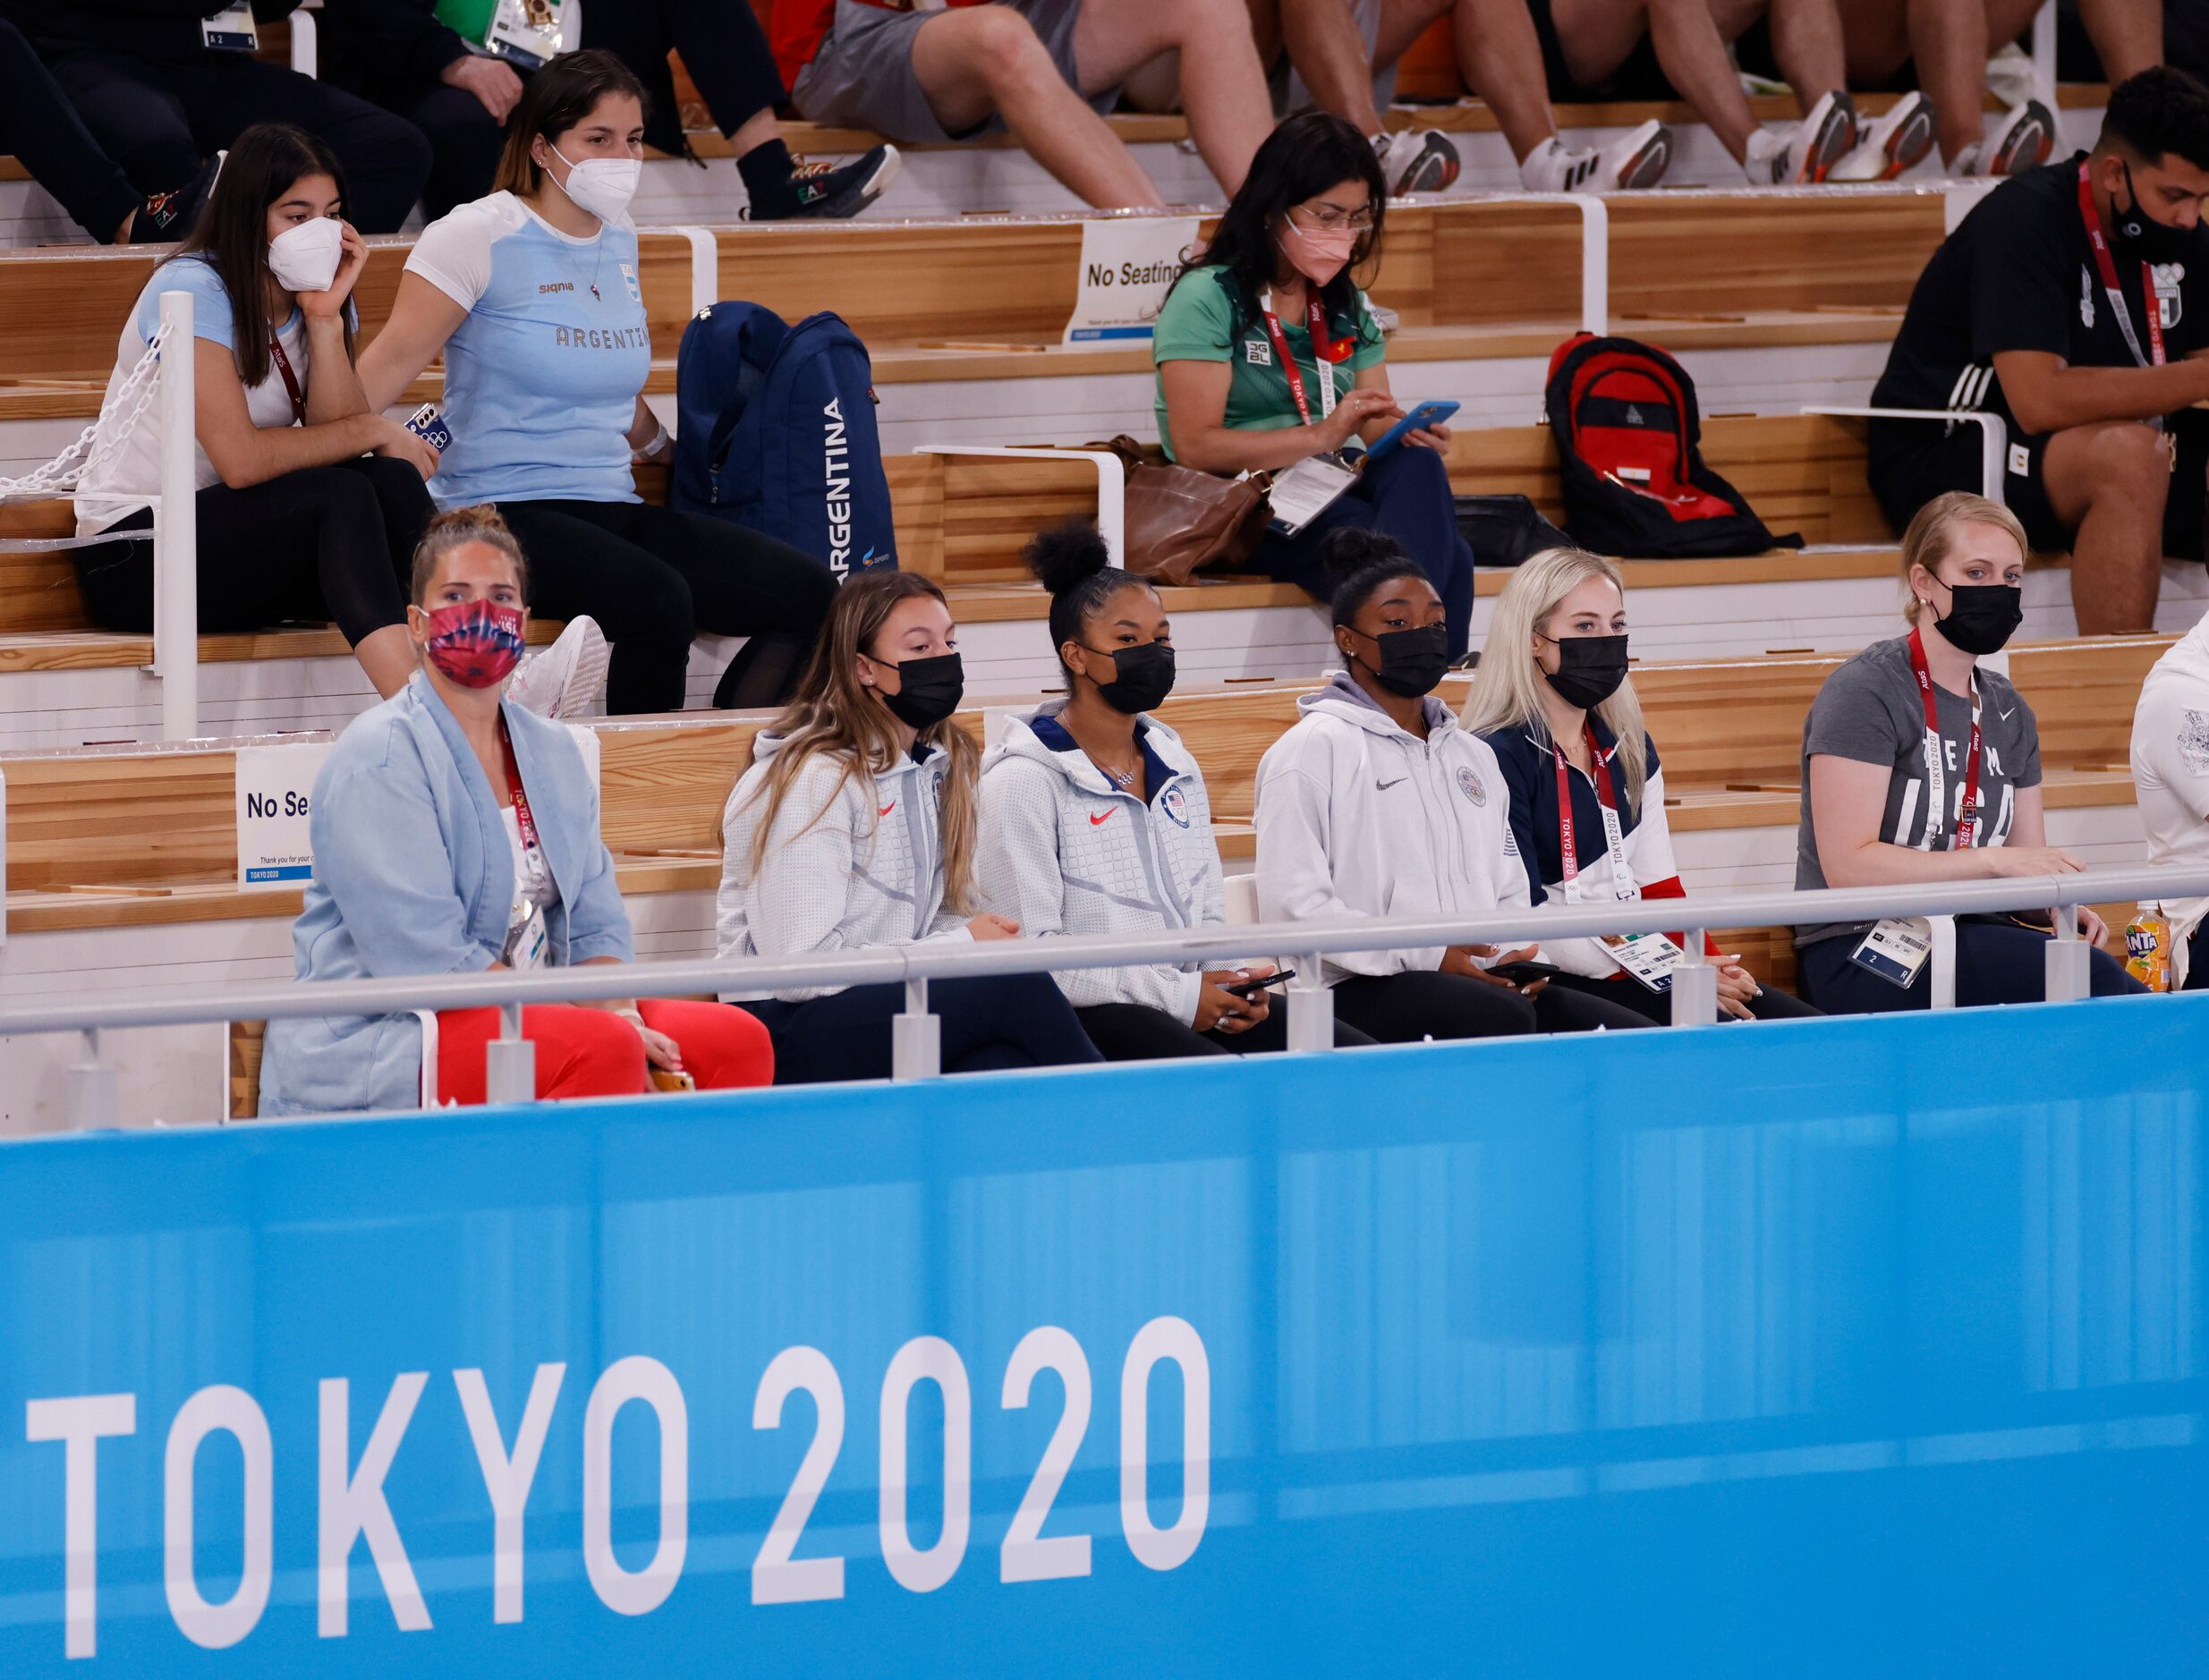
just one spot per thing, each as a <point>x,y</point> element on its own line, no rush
<point>1198,324</point>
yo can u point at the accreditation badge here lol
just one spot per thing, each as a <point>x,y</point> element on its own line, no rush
<point>230,31</point>
<point>1896,950</point>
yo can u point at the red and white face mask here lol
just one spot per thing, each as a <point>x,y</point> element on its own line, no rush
<point>476,644</point>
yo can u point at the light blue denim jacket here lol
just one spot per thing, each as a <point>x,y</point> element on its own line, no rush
<point>414,874</point>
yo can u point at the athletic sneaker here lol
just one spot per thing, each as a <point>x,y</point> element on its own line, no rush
<point>1638,160</point>
<point>2023,138</point>
<point>1892,145</point>
<point>564,679</point>
<point>170,216</point>
<point>1425,162</point>
<point>1806,154</point>
<point>826,191</point>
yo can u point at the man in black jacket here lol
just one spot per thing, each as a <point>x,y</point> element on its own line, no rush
<point>397,54</point>
<point>163,85</point>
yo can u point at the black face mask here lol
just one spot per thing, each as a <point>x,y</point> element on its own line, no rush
<point>1589,669</point>
<point>1412,661</point>
<point>2144,239</point>
<point>929,689</point>
<point>1144,676</point>
<point>1982,616</point>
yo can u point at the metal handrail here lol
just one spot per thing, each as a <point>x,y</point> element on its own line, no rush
<point>929,960</point>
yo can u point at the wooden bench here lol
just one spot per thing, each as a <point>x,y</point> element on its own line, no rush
<point>1730,733</point>
<point>1468,278</point>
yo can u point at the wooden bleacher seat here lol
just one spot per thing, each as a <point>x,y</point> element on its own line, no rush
<point>1469,279</point>
<point>80,854</point>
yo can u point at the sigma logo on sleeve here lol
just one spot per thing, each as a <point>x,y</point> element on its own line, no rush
<point>1469,784</point>
<point>1176,805</point>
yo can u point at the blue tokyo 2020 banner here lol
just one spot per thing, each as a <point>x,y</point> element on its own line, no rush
<point>1841,1348</point>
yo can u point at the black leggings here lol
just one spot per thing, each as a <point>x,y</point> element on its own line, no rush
<point>160,118</point>
<point>39,125</point>
<point>1428,1003</point>
<point>1136,1032</point>
<point>654,577</point>
<point>1002,1021</point>
<point>1996,963</point>
<point>723,48</point>
<point>1770,1003</point>
<point>321,543</point>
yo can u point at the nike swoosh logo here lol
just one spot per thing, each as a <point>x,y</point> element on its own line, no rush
<point>1101,817</point>
<point>2006,714</point>
<point>1383,787</point>
<point>886,809</point>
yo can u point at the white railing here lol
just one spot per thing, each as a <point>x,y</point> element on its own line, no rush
<point>511,1058</point>
<point>169,370</point>
<point>176,530</point>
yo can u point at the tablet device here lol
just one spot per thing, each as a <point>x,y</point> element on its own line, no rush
<point>1424,415</point>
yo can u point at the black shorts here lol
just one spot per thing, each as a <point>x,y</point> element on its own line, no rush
<point>1911,462</point>
<point>1641,77</point>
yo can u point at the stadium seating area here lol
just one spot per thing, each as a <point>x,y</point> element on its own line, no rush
<point>121,867</point>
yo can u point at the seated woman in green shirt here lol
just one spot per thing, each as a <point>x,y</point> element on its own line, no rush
<point>1307,216</point>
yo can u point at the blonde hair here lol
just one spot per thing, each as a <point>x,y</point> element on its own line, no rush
<point>834,713</point>
<point>456,528</point>
<point>1931,536</point>
<point>1508,684</point>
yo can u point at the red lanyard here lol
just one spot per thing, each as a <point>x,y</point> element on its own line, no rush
<point>1936,781</point>
<point>2107,265</point>
<point>1605,796</point>
<point>521,818</point>
<point>291,379</point>
<point>1325,354</point>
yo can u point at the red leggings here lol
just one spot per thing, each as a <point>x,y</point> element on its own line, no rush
<point>583,1052</point>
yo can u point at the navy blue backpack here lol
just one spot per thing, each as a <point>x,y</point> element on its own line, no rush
<point>774,431</point>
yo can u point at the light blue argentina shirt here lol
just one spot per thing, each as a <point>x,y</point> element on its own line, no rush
<point>541,379</point>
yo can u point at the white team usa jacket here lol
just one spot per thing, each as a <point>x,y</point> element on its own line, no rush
<point>848,869</point>
<point>1357,819</point>
<point>1064,852</point>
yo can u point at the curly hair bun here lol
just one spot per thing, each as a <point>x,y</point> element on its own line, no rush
<point>1067,555</point>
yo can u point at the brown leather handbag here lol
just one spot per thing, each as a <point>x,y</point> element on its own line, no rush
<point>1179,520</point>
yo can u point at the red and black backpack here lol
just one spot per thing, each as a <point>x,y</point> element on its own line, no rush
<point>1637,487</point>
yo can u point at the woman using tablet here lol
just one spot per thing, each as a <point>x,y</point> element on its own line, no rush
<point>1378,804</point>
<point>533,297</point>
<point>1095,819</point>
<point>1553,701</point>
<point>855,828</point>
<point>1274,294</point>
<point>455,833</point>
<point>1921,765</point>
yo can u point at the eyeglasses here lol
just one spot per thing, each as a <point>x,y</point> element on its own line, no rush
<point>1333,216</point>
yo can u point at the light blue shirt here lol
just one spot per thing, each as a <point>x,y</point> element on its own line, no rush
<point>541,379</point>
<point>414,874</point>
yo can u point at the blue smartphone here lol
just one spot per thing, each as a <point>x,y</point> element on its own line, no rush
<point>1422,417</point>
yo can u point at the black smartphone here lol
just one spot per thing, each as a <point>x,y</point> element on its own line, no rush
<point>1525,973</point>
<point>1251,989</point>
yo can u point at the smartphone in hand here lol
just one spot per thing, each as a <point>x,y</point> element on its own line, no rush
<point>1424,415</point>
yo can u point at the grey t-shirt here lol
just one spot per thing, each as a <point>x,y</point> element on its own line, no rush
<point>1869,710</point>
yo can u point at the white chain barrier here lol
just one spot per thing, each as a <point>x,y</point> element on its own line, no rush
<point>118,417</point>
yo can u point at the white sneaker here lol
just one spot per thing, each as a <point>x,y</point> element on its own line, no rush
<point>2022,138</point>
<point>1638,160</point>
<point>1892,145</point>
<point>1425,162</point>
<point>565,679</point>
<point>1806,154</point>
